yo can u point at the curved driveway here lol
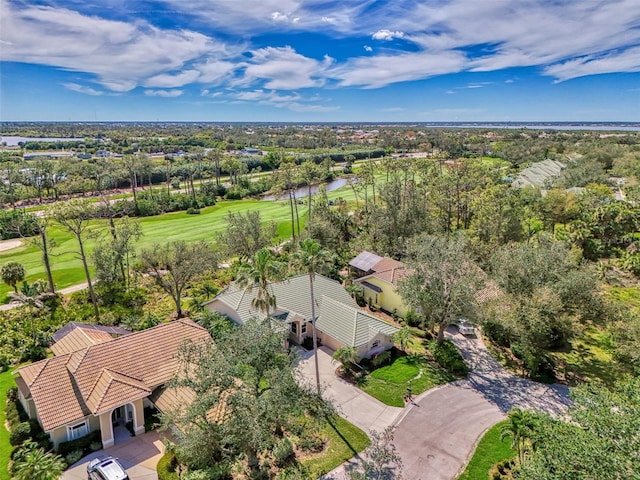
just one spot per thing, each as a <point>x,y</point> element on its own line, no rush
<point>436,437</point>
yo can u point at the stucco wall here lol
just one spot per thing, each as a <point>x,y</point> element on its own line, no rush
<point>217,306</point>
<point>389,299</point>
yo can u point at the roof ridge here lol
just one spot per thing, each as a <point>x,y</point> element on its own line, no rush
<point>45,362</point>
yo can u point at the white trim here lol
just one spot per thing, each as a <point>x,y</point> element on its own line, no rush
<point>72,429</point>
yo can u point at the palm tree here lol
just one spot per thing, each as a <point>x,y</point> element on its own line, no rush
<point>310,257</point>
<point>403,337</point>
<point>259,274</point>
<point>347,356</point>
<point>33,463</point>
<point>520,426</point>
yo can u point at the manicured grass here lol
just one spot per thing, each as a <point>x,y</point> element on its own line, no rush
<point>490,450</point>
<point>389,384</point>
<point>345,440</point>
<point>67,269</point>
<point>6,382</point>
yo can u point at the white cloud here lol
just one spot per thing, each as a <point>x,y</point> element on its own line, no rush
<point>292,101</point>
<point>163,93</point>
<point>210,94</point>
<point>368,48</point>
<point>627,60</point>
<point>121,55</point>
<point>380,70</point>
<point>283,68</point>
<point>82,89</point>
<point>386,35</point>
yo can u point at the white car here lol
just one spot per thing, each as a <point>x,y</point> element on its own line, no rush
<point>465,327</point>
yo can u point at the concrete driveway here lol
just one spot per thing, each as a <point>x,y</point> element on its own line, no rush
<point>436,438</point>
<point>359,408</point>
<point>138,455</point>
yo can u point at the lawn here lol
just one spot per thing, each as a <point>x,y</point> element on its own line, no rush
<point>490,450</point>
<point>6,382</point>
<point>67,269</point>
<point>589,358</point>
<point>345,440</point>
<point>389,384</point>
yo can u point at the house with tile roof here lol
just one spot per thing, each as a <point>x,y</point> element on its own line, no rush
<point>379,277</point>
<point>99,379</point>
<point>339,320</point>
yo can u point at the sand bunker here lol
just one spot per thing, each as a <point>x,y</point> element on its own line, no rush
<point>9,244</point>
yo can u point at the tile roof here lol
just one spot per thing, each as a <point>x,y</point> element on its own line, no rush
<point>79,338</point>
<point>70,386</point>
<point>350,325</point>
<point>391,276</point>
<point>387,264</point>
<point>69,327</point>
<point>293,297</point>
<point>365,261</point>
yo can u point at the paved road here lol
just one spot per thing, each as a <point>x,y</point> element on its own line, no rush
<point>436,438</point>
<point>62,291</point>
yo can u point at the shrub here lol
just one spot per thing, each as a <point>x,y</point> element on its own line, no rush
<point>311,442</point>
<point>82,443</point>
<point>448,357</point>
<point>20,433</point>
<point>167,467</point>
<point>193,211</point>
<point>95,446</point>
<point>381,359</point>
<point>151,419</point>
<point>74,456</point>
<point>221,471</point>
<point>282,452</point>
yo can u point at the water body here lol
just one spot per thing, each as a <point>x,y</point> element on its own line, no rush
<point>302,192</point>
<point>13,141</point>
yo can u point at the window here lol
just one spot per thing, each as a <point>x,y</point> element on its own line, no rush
<point>294,328</point>
<point>375,344</point>
<point>303,328</point>
<point>77,431</point>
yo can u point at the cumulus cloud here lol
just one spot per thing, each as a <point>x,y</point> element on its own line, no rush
<point>386,35</point>
<point>163,93</point>
<point>282,68</point>
<point>121,55</point>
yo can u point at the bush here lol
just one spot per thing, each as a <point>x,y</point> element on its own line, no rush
<point>151,419</point>
<point>20,433</point>
<point>74,456</point>
<point>193,211</point>
<point>312,442</point>
<point>82,443</point>
<point>167,467</point>
<point>95,446</point>
<point>283,452</point>
<point>381,359</point>
<point>448,357</point>
<point>222,471</point>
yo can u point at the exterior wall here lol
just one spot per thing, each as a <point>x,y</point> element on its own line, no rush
<point>58,435</point>
<point>368,351</point>
<point>138,417</point>
<point>327,341</point>
<point>217,306</point>
<point>107,430</point>
<point>389,299</point>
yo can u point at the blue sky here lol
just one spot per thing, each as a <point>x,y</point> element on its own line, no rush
<point>320,60</point>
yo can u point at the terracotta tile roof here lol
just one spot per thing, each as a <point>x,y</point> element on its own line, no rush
<point>113,389</point>
<point>391,276</point>
<point>69,327</point>
<point>387,264</point>
<point>54,392</point>
<point>79,338</point>
<point>68,387</point>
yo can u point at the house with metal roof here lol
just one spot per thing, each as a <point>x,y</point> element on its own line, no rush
<point>100,378</point>
<point>339,320</point>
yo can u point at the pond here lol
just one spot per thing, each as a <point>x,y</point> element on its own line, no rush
<point>302,192</point>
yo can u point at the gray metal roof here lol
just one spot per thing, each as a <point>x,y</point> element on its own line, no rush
<point>365,261</point>
<point>350,325</point>
<point>292,295</point>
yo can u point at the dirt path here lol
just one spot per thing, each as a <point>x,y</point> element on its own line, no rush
<point>62,291</point>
